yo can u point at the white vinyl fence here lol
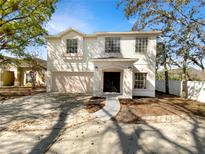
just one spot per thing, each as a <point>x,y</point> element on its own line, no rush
<point>175,87</point>
<point>196,89</point>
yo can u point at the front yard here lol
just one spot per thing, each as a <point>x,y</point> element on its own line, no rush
<point>163,105</point>
<point>63,123</point>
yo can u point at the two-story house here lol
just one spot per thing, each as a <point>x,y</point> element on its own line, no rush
<point>102,63</point>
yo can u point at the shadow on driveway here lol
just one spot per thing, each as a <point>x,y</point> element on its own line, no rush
<point>67,104</point>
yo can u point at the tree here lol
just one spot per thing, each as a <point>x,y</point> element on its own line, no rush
<point>22,24</point>
<point>182,24</point>
<point>162,59</point>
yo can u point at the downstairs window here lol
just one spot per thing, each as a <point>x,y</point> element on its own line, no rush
<point>140,80</point>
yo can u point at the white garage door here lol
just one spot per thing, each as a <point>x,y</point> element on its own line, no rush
<point>78,82</point>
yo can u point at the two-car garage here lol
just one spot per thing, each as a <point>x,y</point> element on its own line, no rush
<point>73,82</point>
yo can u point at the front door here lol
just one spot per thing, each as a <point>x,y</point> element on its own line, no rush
<point>111,82</point>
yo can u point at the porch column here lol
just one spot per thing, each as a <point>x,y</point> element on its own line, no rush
<point>1,77</point>
<point>48,81</point>
<point>96,82</point>
<point>127,83</point>
<point>17,75</point>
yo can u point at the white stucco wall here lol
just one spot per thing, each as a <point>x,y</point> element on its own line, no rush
<point>58,60</point>
<point>94,47</point>
<point>146,64</point>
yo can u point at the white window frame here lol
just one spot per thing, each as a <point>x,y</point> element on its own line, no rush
<point>75,46</point>
<point>112,45</point>
<point>140,80</point>
<point>141,44</point>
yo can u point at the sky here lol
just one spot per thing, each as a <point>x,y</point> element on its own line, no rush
<point>87,16</point>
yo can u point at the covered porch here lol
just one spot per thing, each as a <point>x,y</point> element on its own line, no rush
<point>113,76</point>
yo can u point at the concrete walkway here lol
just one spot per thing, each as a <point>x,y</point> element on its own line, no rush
<point>111,108</point>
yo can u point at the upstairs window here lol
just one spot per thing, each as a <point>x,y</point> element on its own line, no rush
<point>72,46</point>
<point>112,44</point>
<point>140,80</point>
<point>141,45</point>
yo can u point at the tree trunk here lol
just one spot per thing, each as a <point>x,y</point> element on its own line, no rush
<point>166,79</point>
<point>184,79</point>
<point>166,75</point>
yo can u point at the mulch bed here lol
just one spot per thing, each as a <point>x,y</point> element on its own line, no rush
<point>94,104</point>
<point>132,110</point>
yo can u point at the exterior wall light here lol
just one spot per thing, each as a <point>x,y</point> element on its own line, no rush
<point>130,67</point>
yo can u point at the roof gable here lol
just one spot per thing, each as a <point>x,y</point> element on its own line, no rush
<point>67,31</point>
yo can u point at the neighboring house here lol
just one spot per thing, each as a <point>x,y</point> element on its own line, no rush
<point>102,62</point>
<point>17,72</point>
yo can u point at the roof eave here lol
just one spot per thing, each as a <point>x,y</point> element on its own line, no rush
<point>52,36</point>
<point>104,33</point>
<point>129,33</point>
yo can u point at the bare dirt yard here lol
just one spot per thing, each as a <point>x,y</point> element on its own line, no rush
<point>16,92</point>
<point>132,110</point>
<point>94,104</point>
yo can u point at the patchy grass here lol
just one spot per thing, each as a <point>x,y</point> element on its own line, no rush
<point>94,104</point>
<point>133,109</point>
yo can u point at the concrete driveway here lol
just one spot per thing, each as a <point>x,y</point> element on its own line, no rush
<point>58,123</point>
<point>33,123</point>
<point>114,138</point>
